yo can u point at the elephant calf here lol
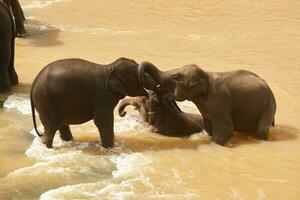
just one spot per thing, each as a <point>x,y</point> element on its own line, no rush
<point>74,91</point>
<point>163,115</point>
<point>228,101</point>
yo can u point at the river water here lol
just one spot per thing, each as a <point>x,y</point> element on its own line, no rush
<point>218,35</point>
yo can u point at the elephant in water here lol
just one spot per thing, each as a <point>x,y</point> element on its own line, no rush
<point>8,75</point>
<point>163,115</point>
<point>15,7</point>
<point>228,101</point>
<point>74,91</point>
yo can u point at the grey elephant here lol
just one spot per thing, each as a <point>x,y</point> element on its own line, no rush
<point>228,101</point>
<point>16,9</point>
<point>164,116</point>
<point>8,75</point>
<point>74,91</point>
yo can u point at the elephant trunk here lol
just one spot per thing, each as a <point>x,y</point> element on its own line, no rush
<point>135,101</point>
<point>123,104</point>
<point>149,76</point>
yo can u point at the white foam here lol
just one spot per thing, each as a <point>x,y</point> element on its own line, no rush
<point>41,4</point>
<point>19,102</point>
<point>128,123</point>
<point>127,176</point>
<point>128,164</point>
<point>94,30</point>
<point>129,181</point>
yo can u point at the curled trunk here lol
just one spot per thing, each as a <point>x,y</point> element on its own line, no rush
<point>149,76</point>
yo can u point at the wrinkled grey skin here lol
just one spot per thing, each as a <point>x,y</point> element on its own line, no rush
<point>74,91</point>
<point>163,115</point>
<point>19,17</point>
<point>8,75</point>
<point>228,101</point>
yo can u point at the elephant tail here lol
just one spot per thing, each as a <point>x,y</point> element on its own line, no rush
<point>273,123</point>
<point>33,115</point>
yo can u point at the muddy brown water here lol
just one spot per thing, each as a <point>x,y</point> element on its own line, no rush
<point>218,35</point>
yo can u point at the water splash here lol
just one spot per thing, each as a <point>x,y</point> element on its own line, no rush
<point>19,102</point>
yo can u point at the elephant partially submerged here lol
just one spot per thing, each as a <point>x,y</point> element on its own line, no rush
<point>8,75</point>
<point>228,101</point>
<point>164,116</point>
<point>74,91</point>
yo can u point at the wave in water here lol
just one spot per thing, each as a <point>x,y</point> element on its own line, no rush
<point>42,4</point>
<point>129,180</point>
<point>94,30</point>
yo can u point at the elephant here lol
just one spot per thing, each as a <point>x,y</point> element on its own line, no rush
<point>163,115</point>
<point>8,75</point>
<point>228,101</point>
<point>15,7</point>
<point>74,91</point>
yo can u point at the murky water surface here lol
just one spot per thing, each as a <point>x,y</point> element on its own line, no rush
<point>218,35</point>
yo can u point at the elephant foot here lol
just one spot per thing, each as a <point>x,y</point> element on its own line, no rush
<point>263,134</point>
<point>21,32</point>
<point>222,139</point>
<point>47,140</point>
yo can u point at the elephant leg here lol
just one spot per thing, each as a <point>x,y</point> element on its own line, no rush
<point>105,123</point>
<point>207,126</point>
<point>265,122</point>
<point>222,131</point>
<point>50,119</point>
<point>65,133</point>
<point>13,77</point>
<point>21,11</point>
<point>47,138</point>
<point>5,59</point>
<point>16,9</point>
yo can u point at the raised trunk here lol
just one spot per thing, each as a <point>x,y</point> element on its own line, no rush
<point>149,76</point>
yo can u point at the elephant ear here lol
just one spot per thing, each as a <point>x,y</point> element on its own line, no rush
<point>178,78</point>
<point>116,84</point>
<point>199,81</point>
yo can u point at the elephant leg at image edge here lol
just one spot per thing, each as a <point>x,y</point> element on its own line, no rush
<point>13,77</point>
<point>18,15</point>
<point>5,59</point>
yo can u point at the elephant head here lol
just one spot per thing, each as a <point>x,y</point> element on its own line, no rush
<point>186,83</point>
<point>123,78</point>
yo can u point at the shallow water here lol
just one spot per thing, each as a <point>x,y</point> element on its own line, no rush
<point>218,35</point>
